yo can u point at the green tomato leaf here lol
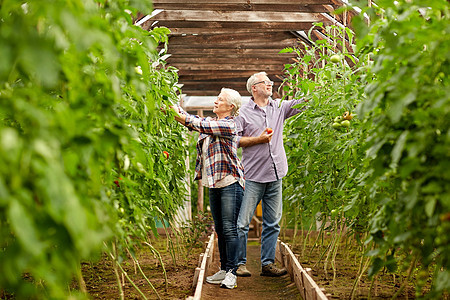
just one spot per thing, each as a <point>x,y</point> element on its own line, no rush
<point>25,228</point>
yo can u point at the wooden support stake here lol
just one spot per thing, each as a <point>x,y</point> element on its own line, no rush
<point>200,258</point>
<point>197,271</point>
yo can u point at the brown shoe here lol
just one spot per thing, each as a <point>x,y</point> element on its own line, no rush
<point>243,272</point>
<point>272,271</point>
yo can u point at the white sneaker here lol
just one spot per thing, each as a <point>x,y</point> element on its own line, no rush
<point>230,281</point>
<point>216,278</point>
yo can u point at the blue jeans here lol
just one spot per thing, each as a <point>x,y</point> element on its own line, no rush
<point>225,203</point>
<point>270,194</point>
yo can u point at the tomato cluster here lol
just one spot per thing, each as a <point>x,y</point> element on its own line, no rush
<point>343,121</point>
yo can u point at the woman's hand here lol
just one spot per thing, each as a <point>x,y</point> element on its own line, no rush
<point>179,117</point>
<point>175,108</point>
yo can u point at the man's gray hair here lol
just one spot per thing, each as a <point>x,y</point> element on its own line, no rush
<point>233,97</point>
<point>252,80</point>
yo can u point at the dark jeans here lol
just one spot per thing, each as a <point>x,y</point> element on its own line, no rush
<point>225,204</point>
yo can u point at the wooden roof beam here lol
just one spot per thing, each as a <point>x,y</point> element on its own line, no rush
<point>217,74</point>
<point>231,67</point>
<point>234,16</point>
<point>218,27</point>
<point>248,2</point>
<point>244,6</point>
<point>226,61</point>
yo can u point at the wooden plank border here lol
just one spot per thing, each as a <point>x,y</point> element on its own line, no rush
<point>307,287</point>
<point>205,260</point>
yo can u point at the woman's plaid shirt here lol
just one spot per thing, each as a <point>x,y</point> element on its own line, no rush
<point>221,159</point>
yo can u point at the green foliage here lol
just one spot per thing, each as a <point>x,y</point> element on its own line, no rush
<point>388,171</point>
<point>80,92</point>
<point>408,153</point>
<point>324,158</point>
<point>194,231</point>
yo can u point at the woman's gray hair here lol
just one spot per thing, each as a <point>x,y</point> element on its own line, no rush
<point>252,80</point>
<point>233,97</point>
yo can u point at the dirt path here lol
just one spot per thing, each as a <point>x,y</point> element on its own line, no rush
<point>254,287</point>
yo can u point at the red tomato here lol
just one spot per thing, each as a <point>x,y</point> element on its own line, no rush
<point>117,182</point>
<point>269,130</point>
<point>166,154</point>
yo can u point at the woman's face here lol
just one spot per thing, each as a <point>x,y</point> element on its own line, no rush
<point>221,106</point>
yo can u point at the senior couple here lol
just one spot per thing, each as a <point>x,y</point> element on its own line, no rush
<point>236,188</point>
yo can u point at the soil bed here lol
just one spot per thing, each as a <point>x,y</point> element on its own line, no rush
<point>347,265</point>
<point>101,281</point>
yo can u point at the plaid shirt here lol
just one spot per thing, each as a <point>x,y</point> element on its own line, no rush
<point>221,159</point>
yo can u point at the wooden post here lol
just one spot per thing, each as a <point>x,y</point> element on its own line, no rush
<point>200,186</point>
<point>200,196</point>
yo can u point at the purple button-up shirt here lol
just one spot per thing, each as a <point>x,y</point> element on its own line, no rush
<point>265,162</point>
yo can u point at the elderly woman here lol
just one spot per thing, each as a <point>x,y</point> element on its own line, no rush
<point>219,169</point>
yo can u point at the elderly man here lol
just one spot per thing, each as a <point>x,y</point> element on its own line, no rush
<point>265,165</point>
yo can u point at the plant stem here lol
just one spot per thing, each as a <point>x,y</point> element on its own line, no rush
<point>129,279</point>
<point>315,241</point>
<point>333,259</point>
<point>362,269</point>
<point>321,256</point>
<point>81,282</point>
<point>306,239</point>
<point>333,245</point>
<point>405,282</point>
<point>369,297</point>
<point>169,242</point>
<point>162,264</point>
<point>116,272</point>
<point>136,262</point>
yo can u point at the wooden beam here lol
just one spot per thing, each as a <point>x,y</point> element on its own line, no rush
<point>237,41</point>
<point>279,45</point>
<point>226,61</point>
<point>212,38</point>
<point>236,16</point>
<point>197,27</point>
<point>205,93</point>
<point>231,53</point>
<point>230,67</point>
<point>244,6</point>
<point>223,73</point>
<point>250,2</point>
<point>239,86</point>
<point>204,30</point>
<point>237,80</point>
<point>182,57</point>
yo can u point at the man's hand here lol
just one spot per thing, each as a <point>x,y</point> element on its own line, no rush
<point>266,136</point>
<point>263,138</point>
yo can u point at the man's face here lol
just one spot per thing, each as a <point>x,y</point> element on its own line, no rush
<point>262,88</point>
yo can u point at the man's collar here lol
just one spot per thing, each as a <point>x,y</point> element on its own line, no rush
<point>253,103</point>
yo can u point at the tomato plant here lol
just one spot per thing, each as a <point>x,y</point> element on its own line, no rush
<point>408,143</point>
<point>81,135</point>
<point>384,169</point>
<point>324,155</point>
